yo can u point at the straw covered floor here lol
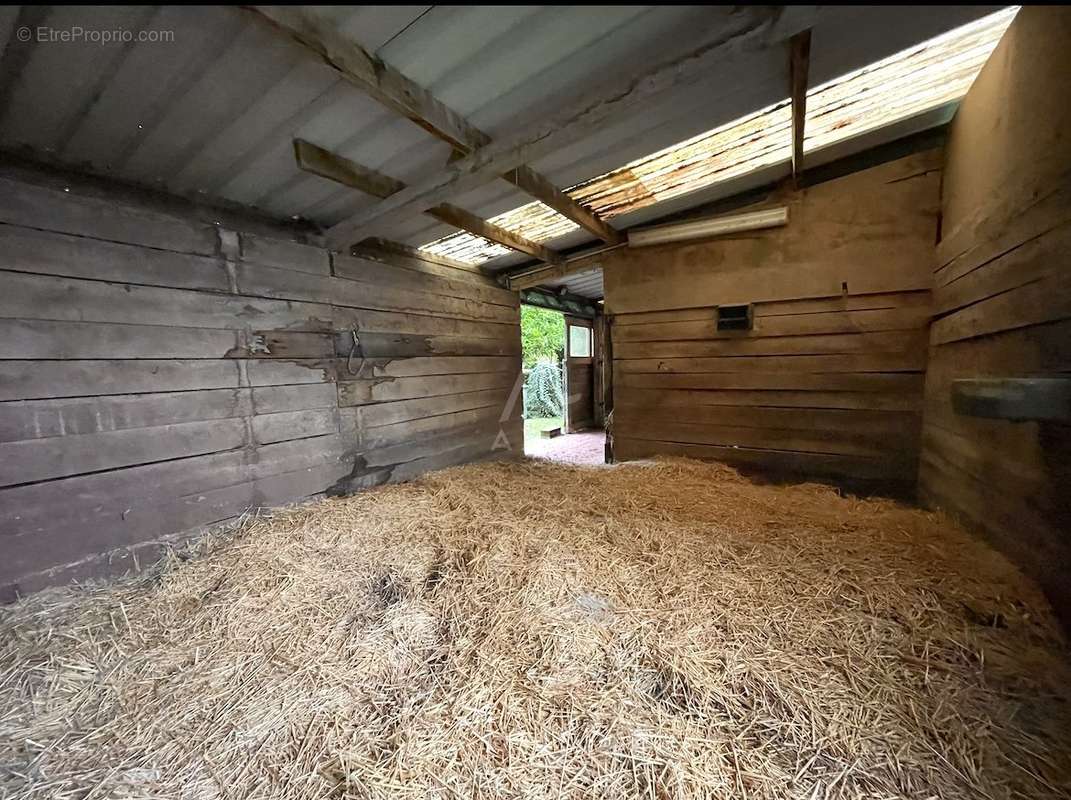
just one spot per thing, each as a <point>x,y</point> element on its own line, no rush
<point>532,630</point>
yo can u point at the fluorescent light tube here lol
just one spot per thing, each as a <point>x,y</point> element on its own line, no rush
<point>713,226</point>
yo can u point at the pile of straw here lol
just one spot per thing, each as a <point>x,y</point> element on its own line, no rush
<point>658,631</point>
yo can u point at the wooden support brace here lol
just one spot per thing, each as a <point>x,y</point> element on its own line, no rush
<point>397,92</point>
<point>799,66</point>
<point>340,169</point>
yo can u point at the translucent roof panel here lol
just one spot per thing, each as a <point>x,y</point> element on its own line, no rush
<point>911,82</point>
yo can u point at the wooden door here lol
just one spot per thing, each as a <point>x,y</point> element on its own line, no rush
<point>579,375</point>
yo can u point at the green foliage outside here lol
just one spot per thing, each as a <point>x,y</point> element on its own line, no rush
<point>542,336</point>
<point>542,350</point>
<point>544,395</point>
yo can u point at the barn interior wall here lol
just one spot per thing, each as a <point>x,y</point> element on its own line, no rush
<point>159,373</point>
<point>828,383</point>
<point>1002,300</point>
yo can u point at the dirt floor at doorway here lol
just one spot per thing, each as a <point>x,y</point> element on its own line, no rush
<point>535,630</point>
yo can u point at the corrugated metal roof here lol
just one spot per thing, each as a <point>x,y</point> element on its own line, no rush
<point>584,284</point>
<point>916,80</point>
<point>211,114</point>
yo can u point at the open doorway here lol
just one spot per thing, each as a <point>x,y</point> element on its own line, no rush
<point>558,354</point>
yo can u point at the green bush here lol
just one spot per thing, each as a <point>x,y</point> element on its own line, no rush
<point>544,395</point>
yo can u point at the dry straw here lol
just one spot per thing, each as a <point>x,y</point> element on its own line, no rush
<point>653,631</point>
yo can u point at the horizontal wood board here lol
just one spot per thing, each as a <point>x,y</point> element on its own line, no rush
<point>158,375</point>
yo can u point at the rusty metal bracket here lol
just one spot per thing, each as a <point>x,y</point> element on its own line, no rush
<point>1014,399</point>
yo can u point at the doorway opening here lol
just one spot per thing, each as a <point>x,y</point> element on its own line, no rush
<point>558,357</point>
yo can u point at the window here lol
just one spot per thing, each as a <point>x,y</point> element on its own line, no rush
<point>579,341</point>
<point>734,318</point>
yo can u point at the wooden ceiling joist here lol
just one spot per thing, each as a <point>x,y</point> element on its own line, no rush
<point>398,93</point>
<point>750,28</point>
<point>319,161</point>
<point>799,66</point>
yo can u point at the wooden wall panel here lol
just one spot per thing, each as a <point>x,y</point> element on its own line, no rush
<point>1002,298</point>
<point>828,383</point>
<point>158,375</point>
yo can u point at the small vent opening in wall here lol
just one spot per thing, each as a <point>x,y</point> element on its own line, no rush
<point>734,318</point>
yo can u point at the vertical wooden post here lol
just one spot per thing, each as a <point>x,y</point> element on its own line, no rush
<point>799,66</point>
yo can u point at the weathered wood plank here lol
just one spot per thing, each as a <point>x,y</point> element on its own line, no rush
<point>799,66</point>
<point>274,399</point>
<point>47,339</point>
<point>283,426</point>
<point>28,380</point>
<point>1045,300</point>
<point>528,180</point>
<point>509,446</point>
<point>58,298</point>
<point>402,345</point>
<point>50,253</point>
<point>439,365</point>
<point>33,206</point>
<point>851,302</point>
<point>856,362</point>
<point>481,435</point>
<point>368,270</point>
<point>632,414</point>
<point>168,514</point>
<point>61,456</point>
<point>285,254</point>
<point>422,262</point>
<point>822,344</point>
<point>803,465</point>
<point>467,221</point>
<point>1032,261</point>
<point>380,390</point>
<point>412,430</point>
<point>796,382</point>
<point>53,298</point>
<point>870,321</point>
<point>258,281</point>
<point>40,419</point>
<point>402,411</point>
<point>340,169</point>
<point>73,508</point>
<point>772,398</point>
<point>793,440</point>
<point>278,373</point>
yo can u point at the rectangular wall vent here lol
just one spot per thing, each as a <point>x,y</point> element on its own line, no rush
<point>734,318</point>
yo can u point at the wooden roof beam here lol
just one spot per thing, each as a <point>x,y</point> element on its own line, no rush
<point>747,29</point>
<point>398,93</point>
<point>799,65</point>
<point>317,160</point>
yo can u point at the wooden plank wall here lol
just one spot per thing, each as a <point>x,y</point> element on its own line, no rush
<point>159,374</point>
<point>1003,300</point>
<point>828,383</point>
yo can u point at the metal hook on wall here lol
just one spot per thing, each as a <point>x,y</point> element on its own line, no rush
<point>355,349</point>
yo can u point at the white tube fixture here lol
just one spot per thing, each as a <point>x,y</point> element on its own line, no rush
<point>712,226</point>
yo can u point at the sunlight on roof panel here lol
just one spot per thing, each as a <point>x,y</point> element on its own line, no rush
<point>913,81</point>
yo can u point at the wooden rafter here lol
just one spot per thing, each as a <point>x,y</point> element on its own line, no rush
<point>317,160</point>
<point>750,28</point>
<point>397,92</point>
<point>799,66</point>
<point>388,251</point>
